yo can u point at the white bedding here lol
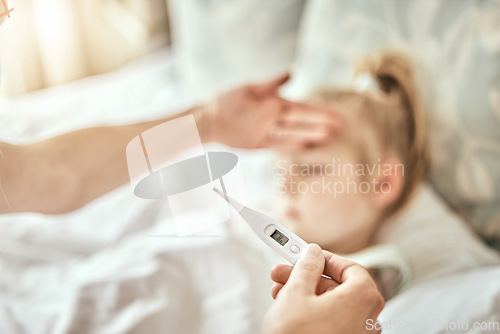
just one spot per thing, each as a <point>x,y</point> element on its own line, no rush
<point>100,271</point>
<point>468,302</point>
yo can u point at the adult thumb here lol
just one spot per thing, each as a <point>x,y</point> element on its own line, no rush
<point>272,86</point>
<point>307,272</point>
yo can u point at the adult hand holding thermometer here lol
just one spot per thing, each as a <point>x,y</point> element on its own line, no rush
<point>306,302</point>
<point>305,294</point>
<point>275,235</point>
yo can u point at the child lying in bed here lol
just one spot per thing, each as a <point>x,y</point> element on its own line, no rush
<point>365,187</point>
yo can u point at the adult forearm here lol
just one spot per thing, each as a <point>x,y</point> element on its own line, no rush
<point>63,173</point>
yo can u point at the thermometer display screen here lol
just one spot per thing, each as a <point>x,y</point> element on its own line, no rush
<point>279,237</point>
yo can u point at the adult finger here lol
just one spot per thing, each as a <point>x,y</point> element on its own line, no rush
<point>276,289</point>
<point>288,147</point>
<point>376,305</point>
<point>275,141</point>
<point>342,269</point>
<point>371,327</point>
<point>270,87</point>
<point>310,129</point>
<point>325,284</point>
<point>299,112</point>
<point>356,283</point>
<point>297,136</point>
<point>302,107</point>
<point>307,272</point>
<point>281,272</point>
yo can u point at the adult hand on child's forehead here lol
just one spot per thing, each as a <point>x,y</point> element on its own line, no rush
<point>255,116</point>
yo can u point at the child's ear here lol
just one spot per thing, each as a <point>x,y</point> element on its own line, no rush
<point>389,183</point>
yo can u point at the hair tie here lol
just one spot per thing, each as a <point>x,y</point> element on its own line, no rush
<point>365,82</point>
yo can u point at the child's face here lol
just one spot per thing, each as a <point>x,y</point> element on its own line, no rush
<point>324,200</point>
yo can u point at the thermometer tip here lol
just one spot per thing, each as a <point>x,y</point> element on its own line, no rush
<point>228,199</point>
<point>221,194</point>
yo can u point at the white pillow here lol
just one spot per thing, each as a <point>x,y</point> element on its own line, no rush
<point>224,43</point>
<point>453,304</point>
<point>435,241</point>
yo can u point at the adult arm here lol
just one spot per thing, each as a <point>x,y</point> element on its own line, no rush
<point>63,173</point>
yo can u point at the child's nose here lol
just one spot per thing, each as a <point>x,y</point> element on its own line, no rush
<point>291,185</point>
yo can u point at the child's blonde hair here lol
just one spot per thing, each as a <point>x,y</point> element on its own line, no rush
<point>394,112</point>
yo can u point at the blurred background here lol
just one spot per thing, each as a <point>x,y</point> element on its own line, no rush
<point>50,42</point>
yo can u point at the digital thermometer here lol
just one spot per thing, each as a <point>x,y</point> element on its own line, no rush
<point>269,230</point>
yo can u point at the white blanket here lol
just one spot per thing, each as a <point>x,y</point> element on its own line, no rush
<point>109,269</point>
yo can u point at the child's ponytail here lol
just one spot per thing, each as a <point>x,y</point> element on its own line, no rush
<point>395,77</point>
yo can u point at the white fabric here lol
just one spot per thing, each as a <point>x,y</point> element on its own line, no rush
<point>386,258</point>
<point>435,241</point>
<point>455,277</point>
<point>225,43</point>
<point>470,300</point>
